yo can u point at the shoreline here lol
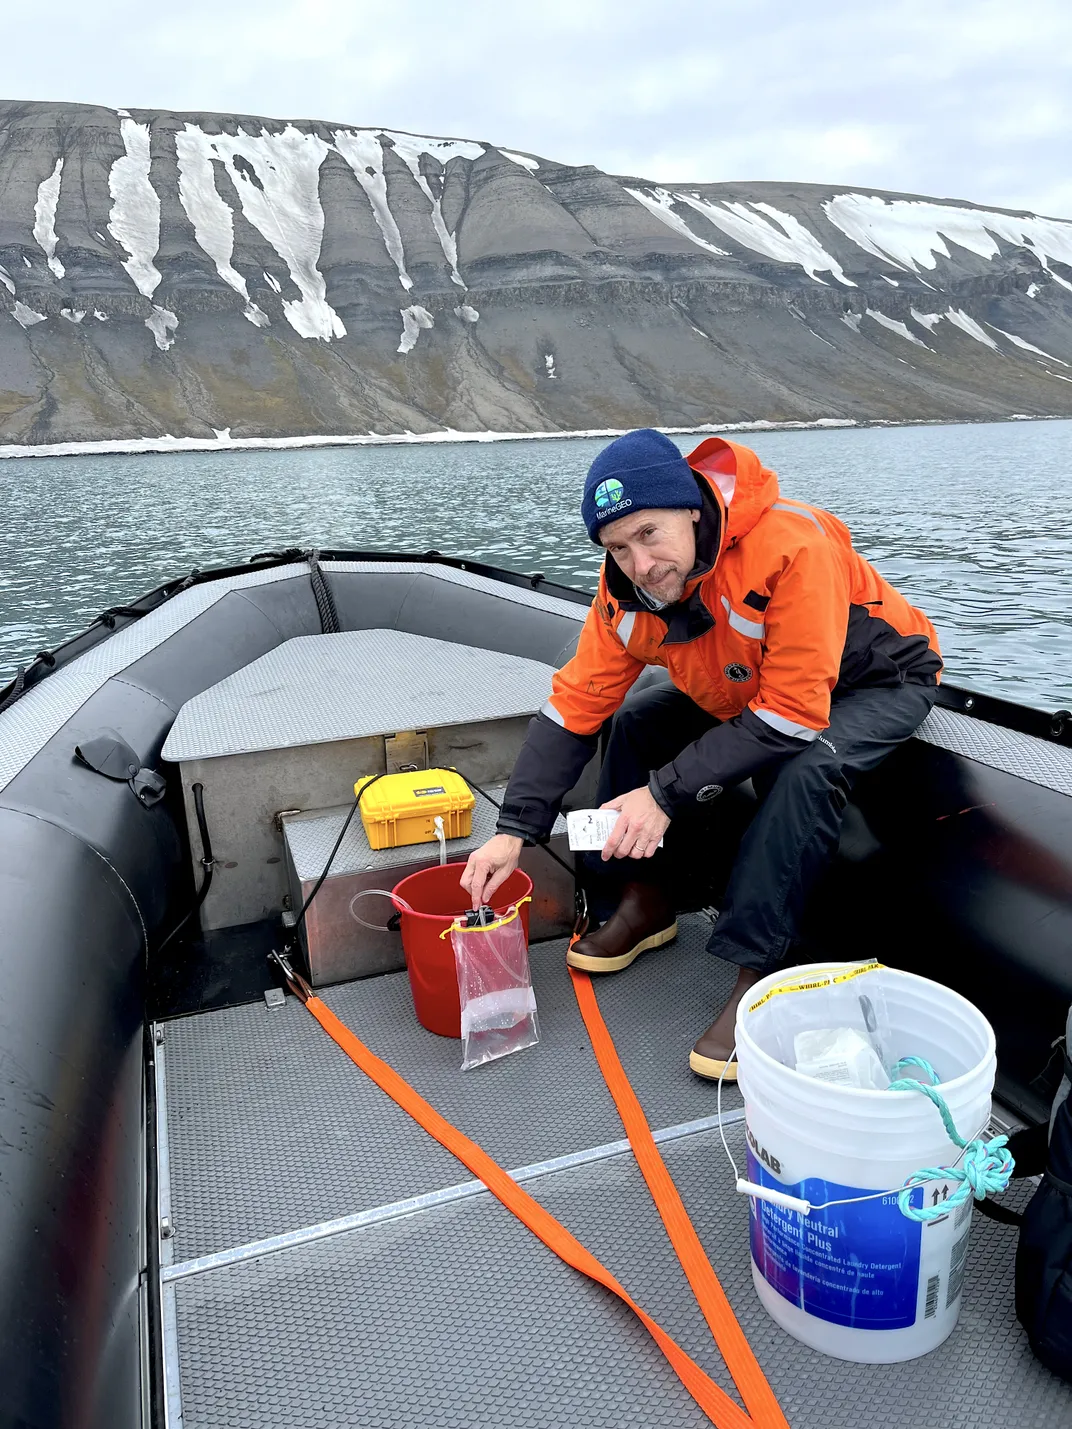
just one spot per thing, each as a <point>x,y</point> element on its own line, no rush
<point>224,442</point>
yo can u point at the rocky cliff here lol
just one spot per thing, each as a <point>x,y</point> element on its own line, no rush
<point>195,273</point>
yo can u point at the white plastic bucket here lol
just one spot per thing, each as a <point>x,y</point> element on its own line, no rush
<point>861,1282</point>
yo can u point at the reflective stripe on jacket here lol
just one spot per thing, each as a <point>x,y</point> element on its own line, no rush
<point>779,612</point>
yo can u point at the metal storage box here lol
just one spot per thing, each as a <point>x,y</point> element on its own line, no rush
<point>336,945</point>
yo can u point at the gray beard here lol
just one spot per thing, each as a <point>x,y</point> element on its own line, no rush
<point>650,600</point>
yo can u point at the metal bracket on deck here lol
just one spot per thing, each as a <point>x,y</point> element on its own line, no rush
<point>282,815</point>
<point>408,749</point>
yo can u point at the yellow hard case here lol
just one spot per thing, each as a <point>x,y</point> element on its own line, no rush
<point>401,808</point>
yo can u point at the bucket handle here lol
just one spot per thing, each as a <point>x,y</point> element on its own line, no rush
<point>460,927</point>
<point>400,904</point>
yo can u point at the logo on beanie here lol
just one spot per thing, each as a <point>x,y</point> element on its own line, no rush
<point>609,492</point>
<point>739,674</point>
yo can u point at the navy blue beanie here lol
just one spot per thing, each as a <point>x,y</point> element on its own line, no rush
<point>641,471</point>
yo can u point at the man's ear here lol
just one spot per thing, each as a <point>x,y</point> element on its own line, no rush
<point>695,517</point>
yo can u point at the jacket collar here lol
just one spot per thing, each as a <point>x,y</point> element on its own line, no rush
<point>689,618</point>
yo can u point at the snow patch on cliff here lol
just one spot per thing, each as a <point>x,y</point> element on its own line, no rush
<point>525,160</point>
<point>26,317</point>
<point>363,151</point>
<point>466,313</point>
<point>277,179</point>
<point>44,229</point>
<point>1028,346</point>
<point>959,318</point>
<point>211,216</point>
<point>767,230</point>
<point>7,280</point>
<point>442,149</point>
<point>134,221</point>
<point>413,320</point>
<point>162,322</point>
<point>912,233</point>
<point>660,202</point>
<point>409,148</point>
<point>893,325</point>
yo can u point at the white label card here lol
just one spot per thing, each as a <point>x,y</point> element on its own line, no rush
<point>589,829</point>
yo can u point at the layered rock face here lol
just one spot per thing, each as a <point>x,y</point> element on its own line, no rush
<point>202,273</point>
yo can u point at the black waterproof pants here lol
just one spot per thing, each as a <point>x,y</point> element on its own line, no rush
<point>793,834</point>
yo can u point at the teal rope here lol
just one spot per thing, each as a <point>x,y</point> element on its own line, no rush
<point>986,1165</point>
<point>921,1063</point>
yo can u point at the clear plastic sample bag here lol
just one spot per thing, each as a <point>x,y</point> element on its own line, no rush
<point>494,987</point>
<point>833,1025</point>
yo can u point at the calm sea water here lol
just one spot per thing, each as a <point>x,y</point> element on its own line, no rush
<point>973,523</point>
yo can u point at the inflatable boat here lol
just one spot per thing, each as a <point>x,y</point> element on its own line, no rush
<point>210,1217</point>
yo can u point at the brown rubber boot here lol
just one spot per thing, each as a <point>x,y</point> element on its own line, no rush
<point>645,919</point>
<point>709,1058</point>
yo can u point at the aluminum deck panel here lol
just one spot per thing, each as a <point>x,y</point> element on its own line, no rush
<point>1006,749</point>
<point>316,689</point>
<point>272,1128</point>
<point>459,1318</point>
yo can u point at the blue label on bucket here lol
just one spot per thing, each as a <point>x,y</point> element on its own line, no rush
<point>855,1265</point>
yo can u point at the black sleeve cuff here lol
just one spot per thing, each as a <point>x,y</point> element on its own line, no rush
<point>550,763</point>
<point>655,789</point>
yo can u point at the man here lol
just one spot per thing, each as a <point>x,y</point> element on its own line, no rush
<point>792,663</point>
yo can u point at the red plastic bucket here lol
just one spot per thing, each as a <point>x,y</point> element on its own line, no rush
<point>436,897</point>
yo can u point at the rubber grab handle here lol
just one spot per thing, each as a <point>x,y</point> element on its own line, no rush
<point>777,1198</point>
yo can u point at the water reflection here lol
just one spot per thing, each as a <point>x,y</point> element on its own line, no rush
<point>972,522</point>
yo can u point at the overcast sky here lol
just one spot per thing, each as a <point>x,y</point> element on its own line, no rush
<point>953,98</point>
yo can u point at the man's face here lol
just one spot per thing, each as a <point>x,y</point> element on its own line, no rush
<point>655,550</point>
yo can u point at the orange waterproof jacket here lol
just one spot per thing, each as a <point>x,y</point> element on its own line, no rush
<point>778,613</point>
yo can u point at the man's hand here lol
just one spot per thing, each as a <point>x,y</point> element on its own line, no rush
<point>641,824</point>
<point>490,866</point>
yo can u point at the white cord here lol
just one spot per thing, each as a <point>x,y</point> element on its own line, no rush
<point>718,1107</point>
<point>781,1198</point>
<point>894,1191</point>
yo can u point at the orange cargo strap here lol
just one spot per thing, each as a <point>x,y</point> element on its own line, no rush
<point>715,1403</point>
<point>749,1378</point>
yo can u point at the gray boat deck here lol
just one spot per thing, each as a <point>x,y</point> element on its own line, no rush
<point>300,1292</point>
